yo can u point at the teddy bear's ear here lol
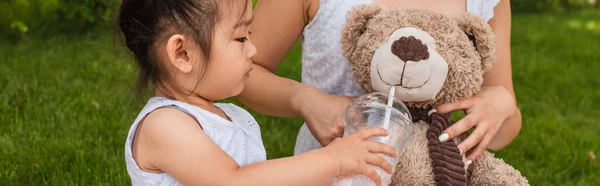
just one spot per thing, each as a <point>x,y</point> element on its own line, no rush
<point>356,25</point>
<point>480,33</point>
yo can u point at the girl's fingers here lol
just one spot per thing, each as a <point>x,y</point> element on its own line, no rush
<point>371,132</point>
<point>378,147</point>
<point>377,160</point>
<point>372,174</point>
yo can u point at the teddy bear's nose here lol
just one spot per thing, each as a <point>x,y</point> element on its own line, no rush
<point>410,49</point>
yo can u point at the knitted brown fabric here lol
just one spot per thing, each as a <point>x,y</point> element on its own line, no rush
<point>447,164</point>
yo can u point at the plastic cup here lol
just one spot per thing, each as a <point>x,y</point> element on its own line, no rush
<point>369,111</point>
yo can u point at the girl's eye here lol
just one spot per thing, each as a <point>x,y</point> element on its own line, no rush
<point>243,39</point>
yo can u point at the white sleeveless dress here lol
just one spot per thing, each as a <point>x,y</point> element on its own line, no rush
<point>240,138</point>
<point>325,67</point>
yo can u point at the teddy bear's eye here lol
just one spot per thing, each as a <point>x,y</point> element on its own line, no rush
<point>473,39</point>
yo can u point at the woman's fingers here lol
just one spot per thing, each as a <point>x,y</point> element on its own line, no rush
<point>459,105</point>
<point>473,139</point>
<point>461,126</point>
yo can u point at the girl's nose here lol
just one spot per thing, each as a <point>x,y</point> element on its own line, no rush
<point>252,51</point>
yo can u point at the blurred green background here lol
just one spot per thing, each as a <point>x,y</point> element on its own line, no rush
<point>67,97</point>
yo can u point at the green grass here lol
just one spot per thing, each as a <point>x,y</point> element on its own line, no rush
<point>555,67</point>
<point>52,132</point>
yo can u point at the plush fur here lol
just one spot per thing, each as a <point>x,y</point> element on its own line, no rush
<point>467,46</point>
<point>370,25</point>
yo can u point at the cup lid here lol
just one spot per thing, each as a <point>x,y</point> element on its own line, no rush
<point>382,98</point>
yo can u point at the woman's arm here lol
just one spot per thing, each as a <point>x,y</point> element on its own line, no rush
<point>501,73</point>
<point>493,111</point>
<point>273,35</point>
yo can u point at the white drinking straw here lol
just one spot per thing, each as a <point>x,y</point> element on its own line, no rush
<point>388,110</point>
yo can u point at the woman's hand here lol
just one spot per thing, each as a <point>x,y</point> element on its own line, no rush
<point>485,111</point>
<point>323,114</point>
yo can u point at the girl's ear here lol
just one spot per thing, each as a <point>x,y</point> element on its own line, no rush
<point>178,52</point>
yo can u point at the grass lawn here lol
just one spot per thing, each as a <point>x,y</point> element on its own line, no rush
<point>66,105</point>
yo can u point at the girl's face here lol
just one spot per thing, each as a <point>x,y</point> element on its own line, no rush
<point>231,55</point>
<point>230,58</point>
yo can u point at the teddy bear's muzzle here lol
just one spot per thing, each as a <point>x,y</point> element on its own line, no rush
<point>410,75</point>
<point>409,62</point>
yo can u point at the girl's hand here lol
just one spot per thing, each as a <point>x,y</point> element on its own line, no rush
<point>323,114</point>
<point>353,153</point>
<point>485,111</point>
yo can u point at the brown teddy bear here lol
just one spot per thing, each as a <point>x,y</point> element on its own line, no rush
<point>429,59</point>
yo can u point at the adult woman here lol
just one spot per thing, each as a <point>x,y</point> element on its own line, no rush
<point>328,85</point>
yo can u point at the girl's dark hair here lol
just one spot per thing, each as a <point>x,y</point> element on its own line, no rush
<point>145,23</point>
